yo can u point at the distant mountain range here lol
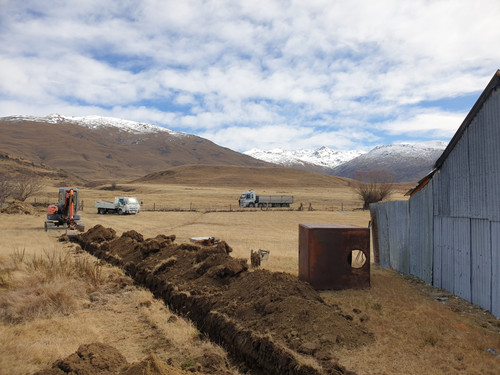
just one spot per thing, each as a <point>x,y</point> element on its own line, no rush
<point>103,148</point>
<point>406,162</point>
<point>325,158</point>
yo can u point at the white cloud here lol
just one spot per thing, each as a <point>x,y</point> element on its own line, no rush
<point>430,123</point>
<point>219,68</point>
<point>288,137</point>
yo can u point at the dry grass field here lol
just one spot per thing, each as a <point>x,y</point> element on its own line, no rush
<point>414,333</point>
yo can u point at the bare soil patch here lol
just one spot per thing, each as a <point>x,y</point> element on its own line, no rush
<point>269,320</point>
<point>17,207</point>
<point>102,359</point>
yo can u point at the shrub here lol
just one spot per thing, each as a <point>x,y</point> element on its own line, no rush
<point>373,187</point>
<point>25,187</point>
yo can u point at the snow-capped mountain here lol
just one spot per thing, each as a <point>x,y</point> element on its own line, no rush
<point>405,161</point>
<point>103,148</point>
<point>323,157</point>
<point>94,122</point>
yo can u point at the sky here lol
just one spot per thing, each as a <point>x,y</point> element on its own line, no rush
<point>254,74</point>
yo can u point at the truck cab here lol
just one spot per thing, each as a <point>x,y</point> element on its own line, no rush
<point>248,199</point>
<point>127,205</point>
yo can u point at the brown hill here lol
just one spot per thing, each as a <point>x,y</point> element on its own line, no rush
<point>246,177</point>
<point>13,166</point>
<point>109,152</point>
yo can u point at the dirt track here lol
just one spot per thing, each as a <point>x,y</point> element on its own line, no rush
<point>270,321</point>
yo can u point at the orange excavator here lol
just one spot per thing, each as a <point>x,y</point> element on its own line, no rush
<point>65,213</point>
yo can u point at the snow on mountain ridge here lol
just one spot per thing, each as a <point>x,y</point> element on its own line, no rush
<point>324,156</point>
<point>100,121</point>
<point>409,149</point>
<point>327,158</point>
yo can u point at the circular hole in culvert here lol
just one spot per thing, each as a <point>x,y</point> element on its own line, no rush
<point>356,259</point>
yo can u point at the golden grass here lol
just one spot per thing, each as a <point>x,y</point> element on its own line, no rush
<point>414,334</point>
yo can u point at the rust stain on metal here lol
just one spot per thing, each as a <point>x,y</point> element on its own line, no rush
<point>334,256</point>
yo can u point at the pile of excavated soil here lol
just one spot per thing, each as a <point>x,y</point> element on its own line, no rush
<point>102,359</point>
<point>263,318</point>
<point>17,207</point>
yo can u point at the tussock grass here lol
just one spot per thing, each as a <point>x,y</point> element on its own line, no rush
<point>46,284</point>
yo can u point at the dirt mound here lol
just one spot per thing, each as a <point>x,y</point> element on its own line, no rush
<point>17,207</point>
<point>102,359</point>
<point>263,318</point>
<point>95,358</point>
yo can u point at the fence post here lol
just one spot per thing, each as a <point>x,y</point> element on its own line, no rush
<point>154,206</point>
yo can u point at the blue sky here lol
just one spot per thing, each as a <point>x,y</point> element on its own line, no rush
<point>254,74</point>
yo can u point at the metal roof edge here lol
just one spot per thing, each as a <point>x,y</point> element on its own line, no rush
<point>492,85</point>
<point>420,184</point>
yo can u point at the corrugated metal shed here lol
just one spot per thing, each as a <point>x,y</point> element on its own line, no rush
<point>453,216</point>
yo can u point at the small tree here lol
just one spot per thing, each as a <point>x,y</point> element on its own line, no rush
<point>25,187</point>
<point>373,187</point>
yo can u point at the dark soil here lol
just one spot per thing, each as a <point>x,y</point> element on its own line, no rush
<point>102,359</point>
<point>266,320</point>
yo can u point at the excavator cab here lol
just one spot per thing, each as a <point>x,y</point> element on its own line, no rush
<point>65,213</point>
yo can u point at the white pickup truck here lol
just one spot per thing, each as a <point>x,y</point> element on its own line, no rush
<point>121,205</point>
<point>251,199</point>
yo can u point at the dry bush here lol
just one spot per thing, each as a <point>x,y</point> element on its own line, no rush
<point>373,187</point>
<point>50,283</point>
<point>25,187</point>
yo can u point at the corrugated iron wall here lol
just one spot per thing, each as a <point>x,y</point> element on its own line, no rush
<point>460,255</point>
<point>448,234</point>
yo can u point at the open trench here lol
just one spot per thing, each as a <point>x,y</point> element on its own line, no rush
<point>270,321</point>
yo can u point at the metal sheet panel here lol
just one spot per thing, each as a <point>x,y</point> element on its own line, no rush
<point>421,231</point>
<point>383,235</point>
<point>438,250</point>
<point>478,170</point>
<point>398,222</point>
<point>481,263</point>
<point>457,166</point>
<point>441,189</point>
<point>495,268</point>
<point>447,262</point>
<point>462,257</point>
<point>491,126</point>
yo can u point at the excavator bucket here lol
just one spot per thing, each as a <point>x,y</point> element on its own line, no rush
<point>72,232</point>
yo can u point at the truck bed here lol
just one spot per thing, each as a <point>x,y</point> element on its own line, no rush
<point>275,199</point>
<point>105,204</point>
